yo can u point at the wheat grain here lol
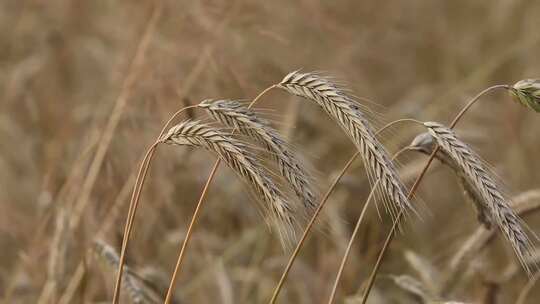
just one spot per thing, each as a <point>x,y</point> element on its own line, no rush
<point>236,115</point>
<point>347,113</point>
<point>237,156</point>
<point>481,180</point>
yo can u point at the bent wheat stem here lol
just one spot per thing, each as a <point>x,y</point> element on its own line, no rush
<point>134,202</point>
<point>357,228</point>
<point>390,236</point>
<point>195,215</point>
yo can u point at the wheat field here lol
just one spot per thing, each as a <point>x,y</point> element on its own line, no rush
<point>275,98</point>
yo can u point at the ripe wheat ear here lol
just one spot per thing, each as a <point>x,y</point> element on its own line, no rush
<point>347,113</point>
<point>237,156</point>
<point>425,143</point>
<point>235,115</point>
<point>480,179</point>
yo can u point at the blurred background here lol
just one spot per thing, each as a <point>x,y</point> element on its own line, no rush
<point>85,87</point>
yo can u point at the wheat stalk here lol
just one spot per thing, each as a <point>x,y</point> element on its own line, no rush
<point>236,115</point>
<point>481,180</point>
<point>236,155</point>
<point>347,113</point>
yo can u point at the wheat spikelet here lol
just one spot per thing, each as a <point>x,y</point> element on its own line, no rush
<point>236,115</point>
<point>425,143</point>
<point>140,291</point>
<point>237,156</point>
<point>527,92</point>
<point>479,177</point>
<point>347,113</point>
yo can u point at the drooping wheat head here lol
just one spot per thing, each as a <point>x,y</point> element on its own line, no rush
<point>237,156</point>
<point>235,115</point>
<point>527,92</point>
<point>480,179</point>
<point>425,143</point>
<point>348,114</point>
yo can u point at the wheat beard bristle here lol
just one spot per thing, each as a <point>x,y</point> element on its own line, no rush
<point>237,156</point>
<point>236,115</point>
<point>346,112</point>
<point>499,209</point>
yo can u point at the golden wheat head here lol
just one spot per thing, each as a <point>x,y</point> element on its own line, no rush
<point>348,114</point>
<point>425,143</point>
<point>236,155</point>
<point>527,92</point>
<point>481,179</point>
<point>236,115</point>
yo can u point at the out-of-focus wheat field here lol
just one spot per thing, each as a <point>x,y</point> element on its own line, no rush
<point>85,87</point>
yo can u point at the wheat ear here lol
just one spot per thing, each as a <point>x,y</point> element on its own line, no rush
<point>415,185</point>
<point>480,178</point>
<point>235,115</point>
<point>237,156</point>
<point>426,144</point>
<point>139,290</point>
<point>347,113</point>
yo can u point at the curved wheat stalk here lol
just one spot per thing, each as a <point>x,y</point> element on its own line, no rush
<point>359,221</point>
<point>134,202</point>
<point>197,211</point>
<point>238,116</point>
<point>235,154</point>
<point>497,206</point>
<point>347,113</point>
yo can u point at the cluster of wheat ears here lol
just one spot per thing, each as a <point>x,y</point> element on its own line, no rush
<point>291,203</point>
